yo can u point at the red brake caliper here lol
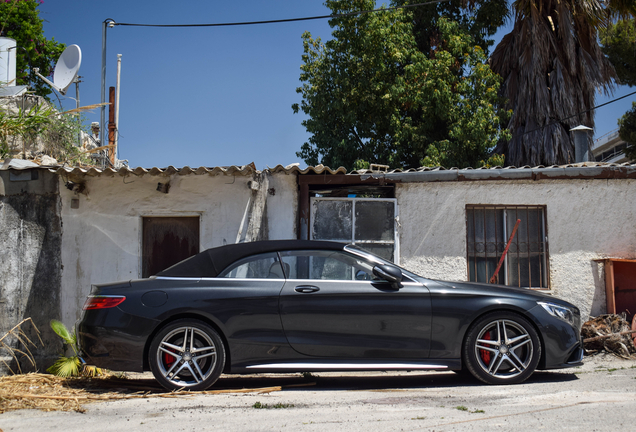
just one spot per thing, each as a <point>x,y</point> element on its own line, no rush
<point>168,359</point>
<point>485,355</point>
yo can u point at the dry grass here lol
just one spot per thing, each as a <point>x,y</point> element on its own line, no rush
<point>51,393</point>
<point>609,333</point>
<point>18,345</point>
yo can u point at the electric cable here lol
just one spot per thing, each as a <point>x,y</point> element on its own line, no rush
<point>341,15</point>
<point>579,113</point>
<point>112,23</point>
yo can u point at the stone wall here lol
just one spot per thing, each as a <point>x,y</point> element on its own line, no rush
<point>30,262</point>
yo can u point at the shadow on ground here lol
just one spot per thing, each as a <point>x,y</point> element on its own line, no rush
<point>313,382</point>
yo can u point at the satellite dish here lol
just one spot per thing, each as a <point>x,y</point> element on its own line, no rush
<point>66,69</point>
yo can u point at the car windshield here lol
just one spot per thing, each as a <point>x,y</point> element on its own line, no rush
<point>376,259</point>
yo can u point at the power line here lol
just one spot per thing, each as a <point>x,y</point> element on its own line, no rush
<point>580,113</point>
<point>113,23</point>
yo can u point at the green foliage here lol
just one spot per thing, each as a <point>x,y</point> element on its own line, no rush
<point>66,367</point>
<point>360,164</point>
<point>618,42</point>
<point>20,20</point>
<point>478,19</point>
<point>72,365</point>
<point>56,131</point>
<point>372,96</point>
<point>60,329</point>
<point>627,131</point>
<point>26,125</point>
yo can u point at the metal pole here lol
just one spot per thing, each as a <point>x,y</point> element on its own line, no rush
<point>102,123</point>
<point>79,118</point>
<point>111,125</point>
<point>117,106</point>
<point>103,108</point>
<point>493,279</point>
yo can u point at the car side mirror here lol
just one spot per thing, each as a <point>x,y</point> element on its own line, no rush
<point>389,273</point>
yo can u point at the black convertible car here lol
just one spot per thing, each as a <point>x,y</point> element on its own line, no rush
<point>295,306</point>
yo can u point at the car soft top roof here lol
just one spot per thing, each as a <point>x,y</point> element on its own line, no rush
<point>211,262</point>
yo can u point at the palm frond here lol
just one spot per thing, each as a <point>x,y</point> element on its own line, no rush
<point>85,108</point>
<point>65,367</point>
<point>552,68</point>
<point>60,329</point>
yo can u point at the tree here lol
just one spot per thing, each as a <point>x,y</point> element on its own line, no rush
<point>627,131</point>
<point>479,20</point>
<point>372,95</point>
<point>618,42</point>
<point>619,45</point>
<point>20,20</point>
<point>552,67</point>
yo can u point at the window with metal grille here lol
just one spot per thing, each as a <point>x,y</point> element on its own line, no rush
<point>488,228</point>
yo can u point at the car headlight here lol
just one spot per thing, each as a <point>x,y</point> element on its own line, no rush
<point>559,311</point>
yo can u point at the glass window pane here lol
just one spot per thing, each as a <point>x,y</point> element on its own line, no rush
<point>332,220</point>
<point>326,265</point>
<point>382,250</point>
<point>264,266</point>
<point>493,226</point>
<point>375,220</point>
<point>479,224</point>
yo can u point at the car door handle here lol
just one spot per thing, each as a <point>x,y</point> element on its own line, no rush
<point>306,289</point>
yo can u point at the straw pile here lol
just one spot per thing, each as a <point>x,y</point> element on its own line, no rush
<point>52,393</point>
<point>609,333</point>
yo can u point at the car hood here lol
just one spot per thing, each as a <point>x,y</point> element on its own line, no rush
<point>477,288</point>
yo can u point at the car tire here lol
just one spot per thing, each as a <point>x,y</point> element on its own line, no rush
<point>502,348</point>
<point>187,354</point>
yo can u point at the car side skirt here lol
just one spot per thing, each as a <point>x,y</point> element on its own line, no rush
<point>326,366</point>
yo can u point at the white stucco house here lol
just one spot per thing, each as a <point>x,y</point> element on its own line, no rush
<point>64,229</point>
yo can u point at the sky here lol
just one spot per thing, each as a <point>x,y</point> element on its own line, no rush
<point>211,96</point>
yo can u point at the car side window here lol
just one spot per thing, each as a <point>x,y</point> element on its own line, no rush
<point>326,265</point>
<point>263,266</point>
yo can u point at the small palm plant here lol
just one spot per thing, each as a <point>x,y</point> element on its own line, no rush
<point>73,365</point>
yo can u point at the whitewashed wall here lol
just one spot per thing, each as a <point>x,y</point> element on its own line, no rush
<point>101,240</point>
<point>587,220</point>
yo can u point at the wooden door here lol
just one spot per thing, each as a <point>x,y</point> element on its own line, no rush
<point>166,241</point>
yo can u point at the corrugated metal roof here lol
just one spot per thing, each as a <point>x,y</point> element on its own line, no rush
<point>318,169</point>
<point>242,170</point>
<point>125,171</point>
<point>583,170</point>
<point>423,174</point>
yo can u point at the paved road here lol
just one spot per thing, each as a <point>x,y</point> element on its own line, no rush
<point>600,396</point>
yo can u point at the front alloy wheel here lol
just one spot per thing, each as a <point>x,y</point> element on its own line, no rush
<point>502,348</point>
<point>187,354</point>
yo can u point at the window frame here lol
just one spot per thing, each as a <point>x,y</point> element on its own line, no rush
<point>544,261</point>
<point>360,243</point>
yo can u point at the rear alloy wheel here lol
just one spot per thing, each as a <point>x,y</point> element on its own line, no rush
<point>188,354</point>
<point>502,348</point>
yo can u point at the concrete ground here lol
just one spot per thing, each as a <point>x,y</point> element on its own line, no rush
<point>601,395</point>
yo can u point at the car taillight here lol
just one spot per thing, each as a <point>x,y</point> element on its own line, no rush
<point>102,302</point>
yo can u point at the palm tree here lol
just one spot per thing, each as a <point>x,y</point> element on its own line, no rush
<point>552,67</point>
